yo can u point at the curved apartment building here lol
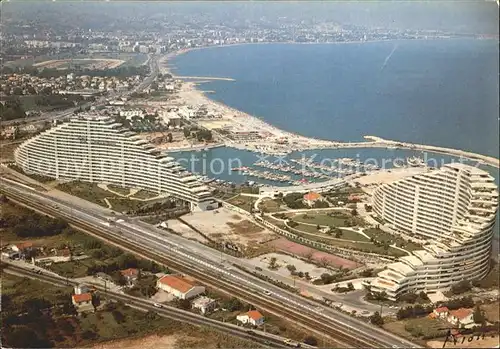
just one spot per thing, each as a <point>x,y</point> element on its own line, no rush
<point>454,210</point>
<point>98,149</point>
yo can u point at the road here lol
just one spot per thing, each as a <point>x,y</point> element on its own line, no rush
<point>205,261</point>
<point>165,311</point>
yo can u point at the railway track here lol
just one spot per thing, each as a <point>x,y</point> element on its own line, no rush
<point>330,330</point>
<point>166,311</point>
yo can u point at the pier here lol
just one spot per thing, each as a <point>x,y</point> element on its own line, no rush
<point>204,78</point>
<point>384,143</point>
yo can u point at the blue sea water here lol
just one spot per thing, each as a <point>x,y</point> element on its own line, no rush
<point>439,92</point>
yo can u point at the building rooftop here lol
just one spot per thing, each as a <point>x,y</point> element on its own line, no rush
<point>254,314</point>
<point>129,272</point>
<point>80,298</point>
<point>441,310</point>
<point>461,313</point>
<point>202,301</point>
<point>312,196</point>
<point>176,282</point>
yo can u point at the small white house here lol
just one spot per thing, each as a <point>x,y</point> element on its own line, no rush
<point>204,304</point>
<point>253,317</point>
<point>179,287</point>
<point>441,312</point>
<point>82,289</point>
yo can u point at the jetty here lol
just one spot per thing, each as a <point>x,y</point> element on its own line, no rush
<point>204,78</point>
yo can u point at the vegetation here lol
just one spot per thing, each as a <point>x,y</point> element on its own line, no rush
<point>243,202</point>
<point>420,310</point>
<point>310,340</point>
<point>426,328</point>
<point>461,287</point>
<point>479,316</point>
<point>491,280</point>
<point>26,224</point>
<point>12,109</point>
<point>36,177</point>
<point>413,297</point>
<point>272,263</point>
<point>87,191</point>
<point>377,319</point>
<point>294,200</point>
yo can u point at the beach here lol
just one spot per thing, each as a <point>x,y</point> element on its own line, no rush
<point>272,140</point>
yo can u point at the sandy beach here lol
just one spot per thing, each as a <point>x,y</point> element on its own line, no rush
<point>274,141</point>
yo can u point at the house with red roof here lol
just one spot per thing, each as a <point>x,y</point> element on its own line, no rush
<point>462,317</point>
<point>311,198</point>
<point>441,312</point>
<point>130,274</point>
<point>179,286</point>
<point>82,302</point>
<point>252,317</point>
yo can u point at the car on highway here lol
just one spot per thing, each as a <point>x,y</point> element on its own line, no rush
<point>267,293</point>
<point>158,305</point>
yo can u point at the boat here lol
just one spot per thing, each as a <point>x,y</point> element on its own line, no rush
<point>415,161</point>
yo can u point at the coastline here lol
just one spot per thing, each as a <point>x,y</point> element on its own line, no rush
<point>184,51</point>
<point>192,94</point>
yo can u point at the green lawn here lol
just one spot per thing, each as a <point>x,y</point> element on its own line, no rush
<point>118,189</point>
<point>21,289</point>
<point>144,194</point>
<point>70,269</point>
<point>124,204</point>
<point>87,191</point>
<point>270,205</point>
<point>382,236</point>
<point>346,234</point>
<point>321,219</point>
<point>244,202</point>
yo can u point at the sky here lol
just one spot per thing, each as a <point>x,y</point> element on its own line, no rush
<point>458,16</point>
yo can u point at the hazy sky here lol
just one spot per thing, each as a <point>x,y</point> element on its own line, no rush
<point>461,16</point>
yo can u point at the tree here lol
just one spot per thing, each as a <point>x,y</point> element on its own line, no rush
<point>478,316</point>
<point>291,268</point>
<point>184,304</point>
<point>338,233</point>
<point>350,286</point>
<point>272,263</point>
<point>170,137</point>
<point>310,340</point>
<point>233,304</point>
<point>354,212</point>
<point>377,319</point>
<point>423,296</point>
<point>461,287</point>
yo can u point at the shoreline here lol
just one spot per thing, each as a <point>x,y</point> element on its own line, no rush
<point>191,94</point>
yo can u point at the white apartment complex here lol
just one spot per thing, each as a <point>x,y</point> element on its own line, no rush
<point>98,149</point>
<point>454,209</point>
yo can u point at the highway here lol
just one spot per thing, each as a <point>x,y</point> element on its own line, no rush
<point>205,264</point>
<point>165,311</point>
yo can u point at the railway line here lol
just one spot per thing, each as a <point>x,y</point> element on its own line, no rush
<point>331,328</point>
<point>167,311</point>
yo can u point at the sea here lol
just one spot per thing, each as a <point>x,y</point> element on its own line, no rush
<point>442,92</point>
